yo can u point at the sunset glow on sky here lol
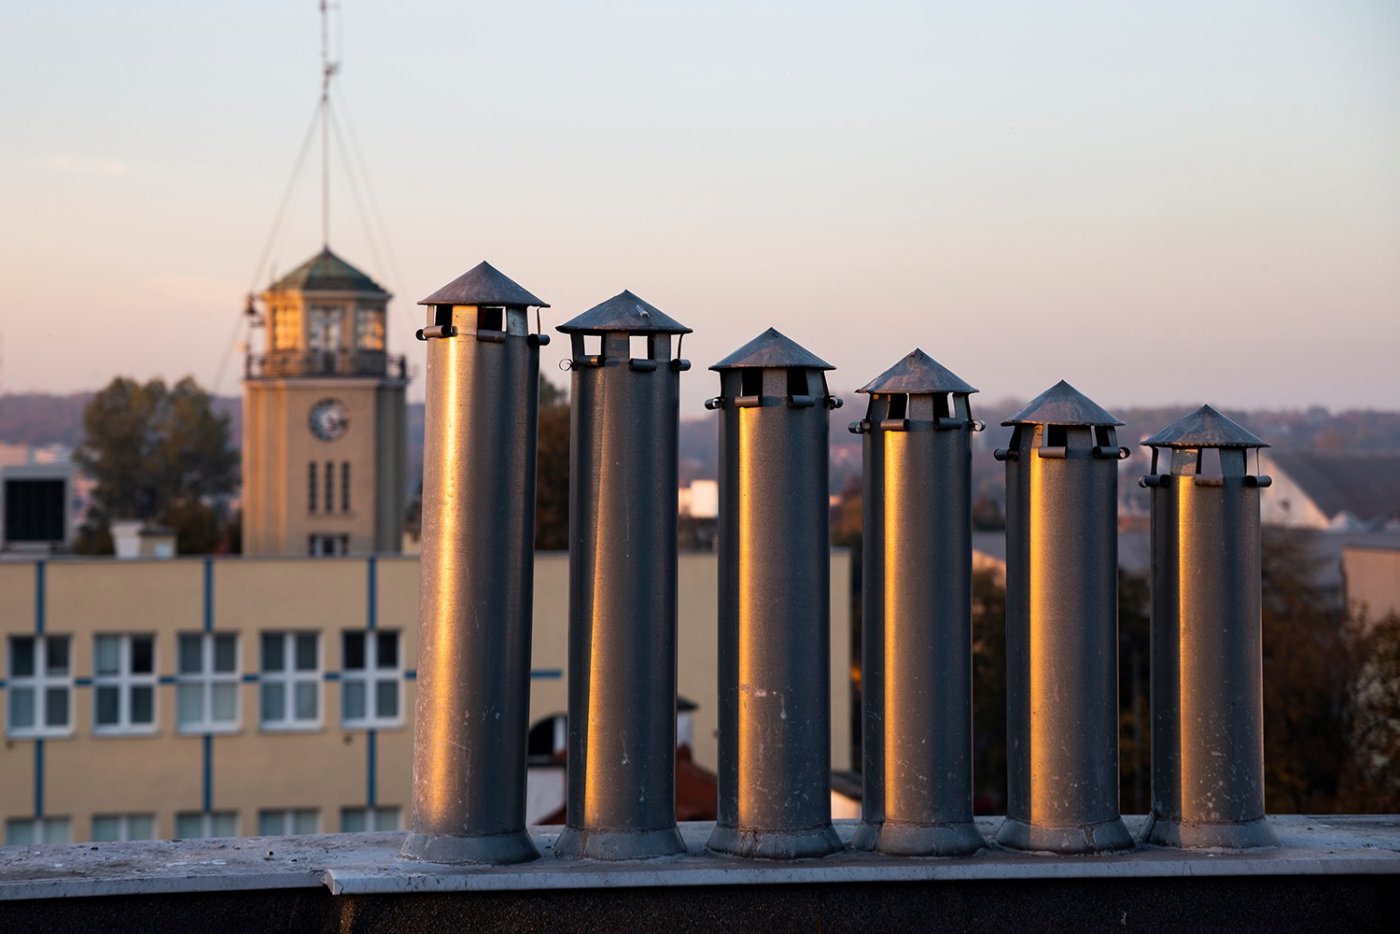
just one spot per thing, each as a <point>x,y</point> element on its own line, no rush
<point>1161,202</point>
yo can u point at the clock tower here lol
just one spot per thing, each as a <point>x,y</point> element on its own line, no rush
<point>323,418</point>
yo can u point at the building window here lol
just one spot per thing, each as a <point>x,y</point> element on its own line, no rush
<point>330,486</point>
<point>112,828</point>
<point>369,329</point>
<point>370,683</point>
<point>345,486</point>
<point>40,686</point>
<point>124,685</point>
<point>290,691</point>
<point>318,546</point>
<point>206,693</point>
<point>284,821</point>
<point>196,825</point>
<point>323,333</point>
<point>286,327</point>
<point>311,487</point>
<point>365,820</point>
<point>28,831</point>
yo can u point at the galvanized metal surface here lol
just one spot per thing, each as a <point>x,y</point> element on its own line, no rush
<point>916,622</point>
<point>774,596</point>
<point>1309,846</point>
<point>1207,656</point>
<point>483,284</point>
<point>624,312</point>
<point>1062,629</point>
<point>622,591</point>
<point>475,603</point>
<point>772,348</point>
<point>1062,404</point>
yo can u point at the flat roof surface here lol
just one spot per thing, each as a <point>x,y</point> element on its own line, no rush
<point>368,864</point>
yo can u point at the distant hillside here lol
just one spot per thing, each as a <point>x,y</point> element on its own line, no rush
<point>39,418</point>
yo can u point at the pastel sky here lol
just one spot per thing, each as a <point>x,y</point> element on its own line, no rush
<point>1159,201</point>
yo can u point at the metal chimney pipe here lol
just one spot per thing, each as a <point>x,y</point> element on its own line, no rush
<point>477,570</point>
<point>622,584</point>
<point>916,669</point>
<point>1062,627</point>
<point>1207,657</point>
<point>774,603</point>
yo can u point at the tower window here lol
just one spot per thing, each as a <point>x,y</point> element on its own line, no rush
<point>345,487</point>
<point>311,486</point>
<point>323,329</point>
<point>369,329</point>
<point>330,486</point>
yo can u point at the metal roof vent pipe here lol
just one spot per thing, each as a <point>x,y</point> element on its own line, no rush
<point>1207,659</point>
<point>916,653</point>
<point>622,583</point>
<point>1062,627</point>
<point>774,603</point>
<point>477,569</point>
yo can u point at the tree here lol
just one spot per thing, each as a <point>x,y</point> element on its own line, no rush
<point>552,470</point>
<point>158,454</point>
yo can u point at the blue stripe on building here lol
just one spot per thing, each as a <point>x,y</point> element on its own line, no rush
<point>250,677</point>
<point>372,597</point>
<point>83,682</point>
<point>371,776</point>
<point>208,594</point>
<point>546,674</point>
<point>38,778</point>
<point>207,796</point>
<point>411,674</point>
<point>331,676</point>
<point>39,597</point>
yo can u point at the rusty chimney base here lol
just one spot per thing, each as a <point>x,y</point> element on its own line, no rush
<point>583,843</point>
<point>1231,835</point>
<point>906,838</point>
<point>752,843</point>
<point>1109,835</point>
<point>501,849</point>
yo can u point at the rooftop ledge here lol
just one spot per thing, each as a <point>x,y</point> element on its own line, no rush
<point>368,864</point>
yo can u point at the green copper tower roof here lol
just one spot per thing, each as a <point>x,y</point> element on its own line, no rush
<point>326,272</point>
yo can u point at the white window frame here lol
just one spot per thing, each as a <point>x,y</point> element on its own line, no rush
<point>385,817</point>
<point>124,826</point>
<point>125,681</point>
<point>205,679</point>
<point>369,677</point>
<point>40,828</point>
<point>286,819</point>
<point>206,824</point>
<point>40,682</point>
<point>289,677</point>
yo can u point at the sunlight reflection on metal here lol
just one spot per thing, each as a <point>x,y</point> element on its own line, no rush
<point>774,604</point>
<point>477,573</point>
<point>1207,659</point>
<point>1062,627</point>
<point>622,584</point>
<point>917,619</point>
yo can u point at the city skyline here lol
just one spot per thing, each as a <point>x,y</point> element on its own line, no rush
<point>1162,204</point>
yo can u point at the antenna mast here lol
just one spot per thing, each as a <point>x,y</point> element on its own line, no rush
<point>328,69</point>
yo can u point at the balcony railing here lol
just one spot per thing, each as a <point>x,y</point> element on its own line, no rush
<point>323,363</point>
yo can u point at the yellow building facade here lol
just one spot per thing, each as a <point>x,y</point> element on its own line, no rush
<point>237,696</point>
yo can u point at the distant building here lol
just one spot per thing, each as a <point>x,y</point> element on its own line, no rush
<point>324,448</point>
<point>1331,490</point>
<point>38,502</point>
<point>199,697</point>
<point>1371,579</point>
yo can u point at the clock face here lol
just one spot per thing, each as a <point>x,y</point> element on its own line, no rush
<point>329,419</point>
